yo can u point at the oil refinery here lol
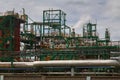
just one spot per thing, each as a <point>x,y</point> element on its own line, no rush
<point>52,50</point>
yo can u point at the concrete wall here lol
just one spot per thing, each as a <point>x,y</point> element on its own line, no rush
<point>25,77</point>
<point>39,77</point>
<point>65,78</point>
<point>106,78</point>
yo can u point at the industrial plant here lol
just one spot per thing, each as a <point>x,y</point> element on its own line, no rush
<point>52,50</point>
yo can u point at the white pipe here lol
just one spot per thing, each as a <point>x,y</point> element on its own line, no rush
<point>77,63</point>
<point>61,63</point>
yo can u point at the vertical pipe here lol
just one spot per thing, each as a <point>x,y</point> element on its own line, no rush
<point>98,57</point>
<point>60,22</point>
<point>69,31</point>
<point>72,71</point>
<point>88,78</point>
<point>64,16</point>
<point>1,77</point>
<point>43,22</point>
<point>40,32</point>
<point>64,30</point>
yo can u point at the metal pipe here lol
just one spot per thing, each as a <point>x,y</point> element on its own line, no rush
<point>77,63</point>
<point>58,63</point>
<point>16,64</point>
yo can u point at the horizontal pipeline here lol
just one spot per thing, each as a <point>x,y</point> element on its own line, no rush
<point>61,63</point>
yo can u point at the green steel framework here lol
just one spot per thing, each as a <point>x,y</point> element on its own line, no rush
<point>55,20</point>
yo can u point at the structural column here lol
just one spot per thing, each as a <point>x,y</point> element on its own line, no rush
<point>72,71</point>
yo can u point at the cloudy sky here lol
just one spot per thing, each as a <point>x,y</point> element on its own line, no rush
<point>105,12</point>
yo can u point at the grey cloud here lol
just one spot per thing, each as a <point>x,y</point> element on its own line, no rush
<point>105,11</point>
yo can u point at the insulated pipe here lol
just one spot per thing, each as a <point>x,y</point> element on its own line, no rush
<point>58,63</point>
<point>77,63</point>
<point>16,64</point>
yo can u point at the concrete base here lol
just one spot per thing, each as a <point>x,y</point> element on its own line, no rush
<point>41,77</point>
